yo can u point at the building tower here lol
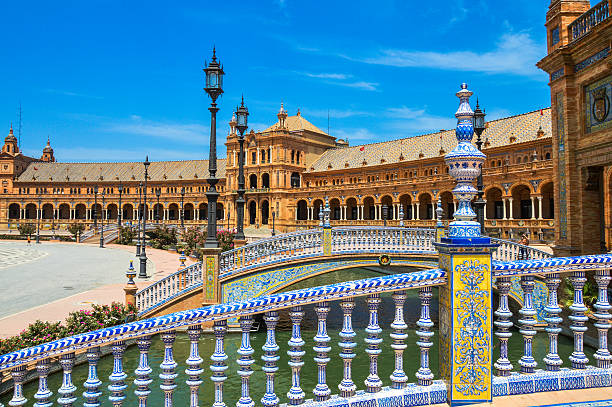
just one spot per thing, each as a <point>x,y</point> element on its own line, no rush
<point>10,143</point>
<point>47,155</point>
<point>282,116</point>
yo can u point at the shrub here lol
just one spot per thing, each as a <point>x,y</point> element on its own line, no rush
<point>101,316</point>
<point>126,235</point>
<point>76,229</point>
<point>162,236</point>
<point>26,229</point>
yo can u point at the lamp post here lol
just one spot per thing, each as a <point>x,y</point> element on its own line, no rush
<point>479,203</point>
<point>385,213</point>
<point>102,220</point>
<point>273,216</point>
<point>228,219</point>
<point>38,220</point>
<point>182,208</point>
<point>120,211</point>
<point>139,215</point>
<point>242,114</point>
<point>214,88</point>
<point>157,194</point>
<point>94,214</point>
<point>143,249</point>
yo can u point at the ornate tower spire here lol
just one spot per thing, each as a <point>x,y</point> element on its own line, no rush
<point>282,115</point>
<point>232,124</point>
<point>465,163</point>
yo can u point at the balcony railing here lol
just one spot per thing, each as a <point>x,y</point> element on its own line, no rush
<point>589,20</point>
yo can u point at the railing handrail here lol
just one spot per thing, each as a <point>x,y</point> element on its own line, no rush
<point>168,277</point>
<point>530,250</point>
<point>588,20</point>
<point>257,305</point>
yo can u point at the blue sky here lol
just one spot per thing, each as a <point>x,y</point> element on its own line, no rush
<point>114,80</point>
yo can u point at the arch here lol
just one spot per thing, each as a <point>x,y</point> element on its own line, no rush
<point>388,201</point>
<point>111,211</point>
<point>521,202</point>
<point>265,180</point>
<point>317,206</point>
<point>495,203</point>
<point>203,211</point>
<point>220,212</point>
<point>47,211</point>
<point>80,211</point>
<point>188,211</point>
<point>368,208</point>
<point>448,204</point>
<point>425,206</point>
<point>264,207</point>
<point>351,209</point>
<point>334,205</point>
<point>14,210</point>
<point>95,211</point>
<point>252,212</point>
<point>295,180</point>
<point>158,211</point>
<point>30,211</point>
<point>173,211</point>
<point>548,200</point>
<point>128,212</point>
<point>63,211</point>
<point>253,181</point>
<point>302,210</point>
<point>406,203</point>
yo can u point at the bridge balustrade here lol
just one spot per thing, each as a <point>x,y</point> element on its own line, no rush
<point>169,287</point>
<point>511,376</point>
<point>509,251</point>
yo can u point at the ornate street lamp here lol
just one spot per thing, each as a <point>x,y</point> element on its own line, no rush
<point>38,220</point>
<point>385,213</point>
<point>120,211</point>
<point>273,216</point>
<point>102,220</point>
<point>479,203</point>
<point>242,114</point>
<point>143,249</point>
<point>94,214</point>
<point>157,194</point>
<point>182,208</point>
<point>214,88</point>
<point>139,215</point>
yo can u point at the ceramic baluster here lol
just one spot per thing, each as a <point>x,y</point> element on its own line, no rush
<point>270,357</point>
<point>68,388</point>
<point>552,318</point>
<point>245,361</point>
<point>399,335</point>
<point>18,375</point>
<point>296,394</point>
<point>578,318</point>
<point>424,374</point>
<point>43,394</point>
<point>118,376</point>
<point>168,368</point>
<point>142,372</point>
<point>527,323</point>
<point>93,382</point>
<point>503,324</point>
<point>219,366</point>
<point>322,348</point>
<point>373,383</point>
<point>603,357</point>
<point>347,387</point>
<point>194,362</point>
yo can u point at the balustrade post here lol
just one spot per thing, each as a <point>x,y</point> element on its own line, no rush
<point>130,288</point>
<point>578,318</point>
<point>296,394</point>
<point>68,388</point>
<point>168,367</point>
<point>347,387</point>
<point>43,394</point>
<point>118,376</point>
<point>18,375</point>
<point>93,382</point>
<point>373,383</point>
<point>210,273</point>
<point>603,357</point>
<point>219,366</point>
<point>143,371</point>
<point>245,361</point>
<point>270,357</point>
<point>503,324</point>
<point>424,374</point>
<point>194,362</point>
<point>322,348</point>
<point>527,323</point>
<point>399,335</point>
<point>552,318</point>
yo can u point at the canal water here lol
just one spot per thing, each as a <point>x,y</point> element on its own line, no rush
<point>308,372</point>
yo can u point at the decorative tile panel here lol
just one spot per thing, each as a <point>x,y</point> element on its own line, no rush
<point>598,98</point>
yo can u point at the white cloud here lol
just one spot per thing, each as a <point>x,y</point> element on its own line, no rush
<point>340,79</point>
<point>335,113</point>
<point>359,85</point>
<point>94,154</point>
<point>73,94</point>
<point>328,75</point>
<point>192,133</point>
<point>514,53</point>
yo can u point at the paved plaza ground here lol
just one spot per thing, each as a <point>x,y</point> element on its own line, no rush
<point>47,281</point>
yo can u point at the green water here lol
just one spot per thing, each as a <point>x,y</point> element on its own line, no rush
<point>283,377</point>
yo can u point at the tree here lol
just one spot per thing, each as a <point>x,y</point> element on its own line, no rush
<point>26,229</point>
<point>76,229</point>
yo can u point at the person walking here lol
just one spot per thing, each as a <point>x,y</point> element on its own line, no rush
<point>523,250</point>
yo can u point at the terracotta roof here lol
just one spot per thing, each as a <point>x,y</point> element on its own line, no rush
<point>131,171</point>
<point>521,128</point>
<point>296,122</point>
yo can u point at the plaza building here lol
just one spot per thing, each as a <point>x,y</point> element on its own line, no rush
<point>290,169</point>
<point>579,63</point>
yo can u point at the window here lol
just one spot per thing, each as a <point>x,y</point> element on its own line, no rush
<point>254,157</point>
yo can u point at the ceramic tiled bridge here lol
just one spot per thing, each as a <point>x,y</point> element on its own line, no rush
<point>270,265</point>
<point>511,377</point>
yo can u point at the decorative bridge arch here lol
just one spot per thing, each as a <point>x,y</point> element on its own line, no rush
<point>269,265</point>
